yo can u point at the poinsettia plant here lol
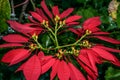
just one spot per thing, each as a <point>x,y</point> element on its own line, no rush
<point>66,58</point>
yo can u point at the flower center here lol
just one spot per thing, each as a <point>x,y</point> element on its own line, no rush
<point>45,23</point>
<point>57,18</point>
<point>63,53</point>
<point>86,44</point>
<point>88,32</point>
<point>58,21</point>
<point>33,46</point>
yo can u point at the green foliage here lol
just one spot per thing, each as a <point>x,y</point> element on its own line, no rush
<point>112,74</point>
<point>87,13</point>
<point>45,40</point>
<point>118,17</point>
<point>66,38</point>
<point>5,12</point>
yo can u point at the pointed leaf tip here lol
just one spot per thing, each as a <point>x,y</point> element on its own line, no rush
<point>48,65</point>
<point>63,71</point>
<point>32,68</point>
<point>75,74</point>
<point>66,13</point>
<point>45,8</point>
<point>15,38</point>
<point>20,55</point>
<point>54,69</point>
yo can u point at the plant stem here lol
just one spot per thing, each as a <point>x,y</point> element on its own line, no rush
<point>74,44</point>
<point>68,45</point>
<point>33,4</point>
<point>52,38</point>
<point>53,33</point>
<point>80,39</point>
<point>56,35</point>
<point>49,30</point>
<point>39,45</point>
<point>64,46</point>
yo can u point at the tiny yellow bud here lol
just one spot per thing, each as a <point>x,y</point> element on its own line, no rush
<point>88,32</point>
<point>57,18</point>
<point>34,36</point>
<point>63,22</point>
<point>43,22</point>
<point>60,22</point>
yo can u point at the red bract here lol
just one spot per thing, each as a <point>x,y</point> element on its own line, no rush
<point>88,58</point>
<point>14,40</point>
<point>63,70</point>
<point>75,74</point>
<point>17,40</point>
<point>31,68</point>
<point>55,14</point>
<point>15,56</point>
<point>25,29</point>
<point>91,25</point>
<point>10,45</point>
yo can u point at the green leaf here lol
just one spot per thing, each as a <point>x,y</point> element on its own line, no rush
<point>45,40</point>
<point>82,1</point>
<point>112,74</point>
<point>66,38</point>
<point>118,17</point>
<point>5,12</point>
<point>87,13</point>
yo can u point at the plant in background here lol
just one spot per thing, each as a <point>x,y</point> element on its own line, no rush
<point>72,57</point>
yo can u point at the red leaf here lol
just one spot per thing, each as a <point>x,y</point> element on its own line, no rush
<point>20,27</point>
<point>41,55</point>
<point>72,18</point>
<point>10,45</point>
<point>63,71</point>
<point>15,38</point>
<point>95,29</point>
<point>48,65</point>
<point>72,23</point>
<point>36,16</point>
<point>32,20</point>
<point>95,56</point>
<point>20,68</point>
<point>66,13</point>
<point>108,39</point>
<point>75,73</point>
<point>91,23</point>
<point>12,56</point>
<point>20,55</point>
<point>104,54</point>
<point>32,68</point>
<point>45,8</point>
<point>89,78</point>
<point>9,56</point>
<point>83,57</point>
<point>74,30</point>
<point>54,69</point>
<point>100,33</point>
<point>92,61</point>
<point>109,49</point>
<point>40,12</point>
<point>55,10</point>
<point>45,59</point>
<point>88,70</point>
